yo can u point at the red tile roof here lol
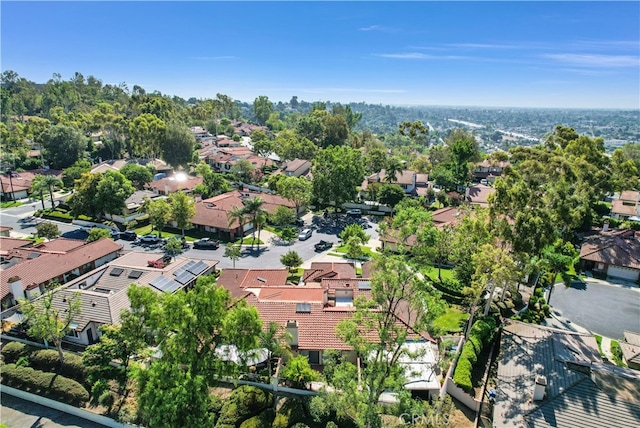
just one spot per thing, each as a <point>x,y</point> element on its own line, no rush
<point>171,185</point>
<point>320,270</point>
<point>630,195</point>
<point>253,277</point>
<point>446,216</point>
<point>49,266</point>
<point>479,194</point>
<point>8,244</point>
<point>294,294</point>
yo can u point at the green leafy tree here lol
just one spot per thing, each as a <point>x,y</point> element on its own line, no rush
<point>173,245</point>
<point>276,341</point>
<point>84,200</point>
<point>354,248</point>
<point>183,208</point>
<point>147,133</point>
<point>237,215</point>
<point>414,130</point>
<point>557,258</point>
<point>283,216</point>
<point>47,230</point>
<point>390,194</point>
<point>159,212</point>
<point>298,190</point>
<point>291,259</point>
<point>354,230</point>
<point>253,208</point>
<point>48,322</point>
<point>262,109</point>
<point>233,252</point>
<point>178,145</point>
<point>262,144</point>
<point>337,172</point>
<point>97,233</point>
<point>289,145</point>
<point>297,372</point>
<point>74,172</point>
<point>63,145</point>
<point>379,335</point>
<point>112,192</point>
<point>138,175</point>
<point>376,159</point>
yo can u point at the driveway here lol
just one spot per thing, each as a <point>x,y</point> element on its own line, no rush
<point>604,308</point>
<point>17,413</point>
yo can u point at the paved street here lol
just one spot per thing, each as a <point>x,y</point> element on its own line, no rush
<point>604,309</point>
<point>17,413</point>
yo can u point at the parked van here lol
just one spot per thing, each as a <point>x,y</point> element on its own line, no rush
<point>305,234</point>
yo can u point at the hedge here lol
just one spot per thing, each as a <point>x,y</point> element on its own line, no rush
<point>48,360</point>
<point>244,402</point>
<point>263,420</point>
<point>462,375</point>
<point>291,412</point>
<point>43,383</point>
<point>480,335</point>
<point>12,351</point>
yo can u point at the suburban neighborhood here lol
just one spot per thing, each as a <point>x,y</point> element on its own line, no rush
<point>170,262</point>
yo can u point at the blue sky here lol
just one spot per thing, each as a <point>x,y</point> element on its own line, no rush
<point>521,54</point>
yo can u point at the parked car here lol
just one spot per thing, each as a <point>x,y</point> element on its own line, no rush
<point>305,234</point>
<point>115,234</point>
<point>323,245</point>
<point>128,235</point>
<point>206,244</point>
<point>299,222</point>
<point>354,213</point>
<point>151,238</point>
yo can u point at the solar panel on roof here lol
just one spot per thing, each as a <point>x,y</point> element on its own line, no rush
<point>165,284</point>
<point>135,274</point>
<point>116,271</point>
<point>364,285</point>
<point>303,307</point>
<point>198,268</point>
<point>185,278</point>
<point>184,268</point>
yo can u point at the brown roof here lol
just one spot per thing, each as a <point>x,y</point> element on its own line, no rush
<point>294,165</point>
<point>632,337</point>
<point>174,185</point>
<point>244,278</point>
<point>392,236</point>
<point>320,270</point>
<point>479,194</point>
<point>48,266</point>
<point>630,195</point>
<point>495,164</point>
<point>446,216</point>
<point>617,248</point>
<point>366,269</point>
<point>295,294</point>
<point>7,244</point>
<point>624,208</point>
<point>22,180</point>
<point>405,176</point>
<point>59,245</point>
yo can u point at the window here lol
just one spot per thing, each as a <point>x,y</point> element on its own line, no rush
<point>73,333</point>
<point>313,356</point>
<point>600,266</point>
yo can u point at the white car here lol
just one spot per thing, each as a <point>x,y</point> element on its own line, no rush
<point>354,212</point>
<point>305,234</point>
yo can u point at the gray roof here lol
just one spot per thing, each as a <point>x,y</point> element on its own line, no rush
<point>568,360</point>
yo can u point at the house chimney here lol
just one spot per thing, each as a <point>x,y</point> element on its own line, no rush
<point>15,285</point>
<point>605,226</point>
<point>539,388</point>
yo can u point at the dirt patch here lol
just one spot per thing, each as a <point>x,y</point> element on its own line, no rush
<point>461,416</point>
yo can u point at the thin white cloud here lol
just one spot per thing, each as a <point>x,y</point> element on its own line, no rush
<point>420,56</point>
<point>213,58</point>
<point>338,90</point>
<point>379,28</point>
<point>608,44</point>
<point>481,46</point>
<point>594,60</point>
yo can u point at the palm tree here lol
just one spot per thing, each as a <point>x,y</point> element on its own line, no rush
<point>42,183</point>
<point>393,168</point>
<point>275,342</point>
<point>237,213</point>
<point>260,221</point>
<point>253,207</point>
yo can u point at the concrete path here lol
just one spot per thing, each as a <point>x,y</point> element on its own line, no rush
<point>17,413</point>
<point>605,346</point>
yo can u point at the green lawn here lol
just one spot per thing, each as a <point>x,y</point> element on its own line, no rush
<point>432,272</point>
<point>10,204</point>
<point>451,321</point>
<point>342,249</point>
<point>249,240</point>
<point>295,275</point>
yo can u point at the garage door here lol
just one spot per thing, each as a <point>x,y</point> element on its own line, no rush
<point>623,273</point>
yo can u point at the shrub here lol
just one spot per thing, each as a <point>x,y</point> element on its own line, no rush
<point>291,412</point>
<point>462,375</point>
<point>42,383</point>
<point>263,420</point>
<point>244,402</point>
<point>12,351</point>
<point>106,399</point>
<point>468,353</point>
<point>49,360</point>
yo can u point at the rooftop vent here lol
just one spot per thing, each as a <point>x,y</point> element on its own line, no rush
<point>539,388</point>
<point>135,274</point>
<point>303,308</point>
<point>261,279</point>
<point>116,271</point>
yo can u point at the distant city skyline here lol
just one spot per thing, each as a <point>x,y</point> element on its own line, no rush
<point>490,54</point>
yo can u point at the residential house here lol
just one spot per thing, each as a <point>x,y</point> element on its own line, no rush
<point>17,185</point>
<point>614,253</point>
<point>406,179</point>
<point>212,215</point>
<point>320,271</point>
<point>627,207</point>
<point>103,291</point>
<point>392,240</point>
<point>175,183</point>
<point>310,313</point>
<point>446,217</point>
<point>555,378</point>
<point>5,231</point>
<point>631,349</point>
<point>61,260</point>
<point>133,203</point>
<point>489,170</point>
<point>297,168</point>
<point>244,129</point>
<point>478,195</point>
<point>159,165</point>
<point>199,133</point>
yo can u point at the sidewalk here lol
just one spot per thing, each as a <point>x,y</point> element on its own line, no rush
<point>605,346</point>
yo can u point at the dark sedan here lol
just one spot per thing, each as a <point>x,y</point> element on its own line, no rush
<point>206,244</point>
